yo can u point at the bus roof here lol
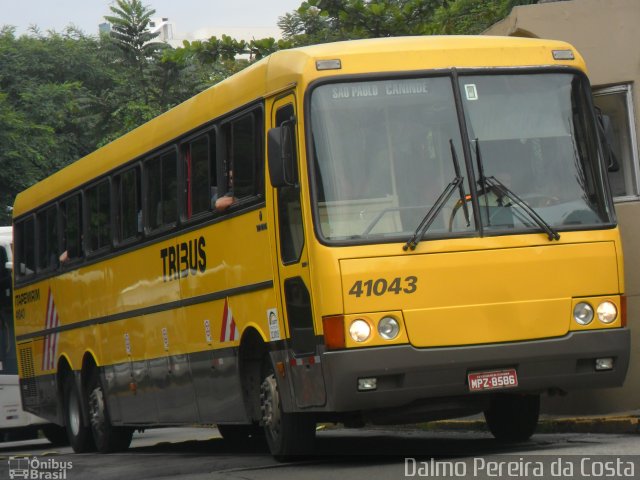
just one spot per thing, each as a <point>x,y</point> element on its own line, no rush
<point>287,68</point>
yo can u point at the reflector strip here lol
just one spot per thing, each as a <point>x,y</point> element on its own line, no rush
<point>299,362</point>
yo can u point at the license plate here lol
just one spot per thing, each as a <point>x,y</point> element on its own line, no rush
<point>493,380</point>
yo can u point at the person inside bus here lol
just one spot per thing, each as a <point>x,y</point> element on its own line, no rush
<point>64,257</point>
<point>72,251</point>
<point>222,203</point>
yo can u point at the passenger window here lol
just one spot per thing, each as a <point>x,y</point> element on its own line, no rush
<point>127,205</point>
<point>71,211</point>
<point>48,251</point>
<point>99,208</point>
<point>199,175</point>
<point>243,162</point>
<point>161,180</point>
<point>25,248</point>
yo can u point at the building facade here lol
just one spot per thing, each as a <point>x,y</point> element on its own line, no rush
<point>607,34</point>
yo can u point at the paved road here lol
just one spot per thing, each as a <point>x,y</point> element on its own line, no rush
<point>200,453</point>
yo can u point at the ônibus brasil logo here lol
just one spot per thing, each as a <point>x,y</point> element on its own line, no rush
<point>38,469</point>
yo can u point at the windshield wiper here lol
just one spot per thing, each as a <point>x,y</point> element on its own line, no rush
<point>433,212</point>
<point>505,191</point>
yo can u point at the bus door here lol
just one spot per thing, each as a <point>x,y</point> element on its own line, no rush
<point>294,283</point>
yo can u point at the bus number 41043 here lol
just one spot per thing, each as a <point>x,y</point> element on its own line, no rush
<point>381,286</point>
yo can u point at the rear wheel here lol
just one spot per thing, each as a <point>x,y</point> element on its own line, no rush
<point>287,434</point>
<point>513,418</point>
<point>78,433</point>
<point>107,437</point>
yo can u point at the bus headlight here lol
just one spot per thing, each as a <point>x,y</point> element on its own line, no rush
<point>607,312</point>
<point>359,330</point>
<point>583,313</point>
<point>388,328</point>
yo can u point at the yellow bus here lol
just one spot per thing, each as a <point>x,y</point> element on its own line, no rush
<point>413,229</point>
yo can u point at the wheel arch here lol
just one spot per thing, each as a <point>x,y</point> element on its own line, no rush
<point>62,372</point>
<point>251,353</point>
<point>64,369</point>
<point>89,367</point>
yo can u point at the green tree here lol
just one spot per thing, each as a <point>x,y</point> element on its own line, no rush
<point>130,33</point>
<point>23,154</point>
<point>329,20</point>
<point>309,24</point>
<point>318,21</point>
<point>261,48</point>
<point>50,86</point>
<point>471,16</point>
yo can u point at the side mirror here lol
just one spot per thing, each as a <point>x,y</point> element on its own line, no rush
<point>282,159</point>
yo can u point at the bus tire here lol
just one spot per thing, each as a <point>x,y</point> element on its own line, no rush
<point>513,418</point>
<point>56,434</point>
<point>78,433</point>
<point>287,434</point>
<point>108,438</point>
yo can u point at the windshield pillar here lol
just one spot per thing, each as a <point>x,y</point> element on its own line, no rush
<point>466,149</point>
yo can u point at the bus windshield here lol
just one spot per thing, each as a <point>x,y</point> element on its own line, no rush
<point>385,151</point>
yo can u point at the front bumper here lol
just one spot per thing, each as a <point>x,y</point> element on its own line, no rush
<point>406,374</point>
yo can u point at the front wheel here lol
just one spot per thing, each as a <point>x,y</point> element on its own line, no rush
<point>513,418</point>
<point>107,437</point>
<point>287,434</point>
<point>78,432</point>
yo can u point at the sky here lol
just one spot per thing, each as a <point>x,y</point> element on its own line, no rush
<point>192,19</point>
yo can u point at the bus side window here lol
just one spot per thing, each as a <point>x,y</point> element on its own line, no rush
<point>199,175</point>
<point>72,236</point>
<point>161,177</point>
<point>48,252</point>
<point>99,210</point>
<point>127,205</point>
<point>25,248</point>
<point>243,162</point>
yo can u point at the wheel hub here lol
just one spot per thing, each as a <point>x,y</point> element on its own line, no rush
<point>270,406</point>
<point>96,409</point>
<point>74,415</point>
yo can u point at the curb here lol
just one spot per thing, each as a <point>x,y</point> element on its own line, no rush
<point>625,424</point>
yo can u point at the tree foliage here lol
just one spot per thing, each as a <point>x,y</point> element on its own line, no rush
<point>318,21</point>
<point>62,95</point>
<point>130,30</point>
<point>46,109</point>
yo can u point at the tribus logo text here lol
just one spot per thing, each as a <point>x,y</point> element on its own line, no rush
<point>183,259</point>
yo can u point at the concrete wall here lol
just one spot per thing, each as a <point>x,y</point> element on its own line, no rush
<point>607,34</point>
